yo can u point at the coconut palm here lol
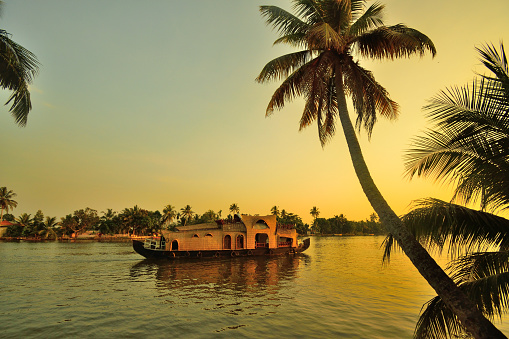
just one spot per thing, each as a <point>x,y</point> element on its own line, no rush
<point>48,231</point>
<point>275,211</point>
<point>108,222</point>
<point>169,214</point>
<point>234,209</point>
<point>468,147</point>
<point>186,213</point>
<point>6,201</point>
<point>18,67</point>
<point>324,71</point>
<point>24,220</point>
<point>314,213</point>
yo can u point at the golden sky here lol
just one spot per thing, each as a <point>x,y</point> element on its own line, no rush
<point>152,103</point>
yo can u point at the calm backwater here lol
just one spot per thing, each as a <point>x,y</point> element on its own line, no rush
<point>338,288</point>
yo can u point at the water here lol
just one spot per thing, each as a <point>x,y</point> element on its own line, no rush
<point>338,288</point>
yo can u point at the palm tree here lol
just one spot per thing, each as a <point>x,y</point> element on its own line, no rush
<point>18,67</point>
<point>107,224</point>
<point>234,209</point>
<point>186,213</point>
<point>324,71</point>
<point>468,147</point>
<point>314,213</point>
<point>48,230</point>
<point>169,214</point>
<point>24,220</point>
<point>275,211</point>
<point>6,201</point>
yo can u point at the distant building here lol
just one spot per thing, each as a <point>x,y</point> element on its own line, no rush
<point>3,227</point>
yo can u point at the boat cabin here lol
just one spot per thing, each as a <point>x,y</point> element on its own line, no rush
<point>244,232</point>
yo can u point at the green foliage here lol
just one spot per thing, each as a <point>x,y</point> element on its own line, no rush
<point>7,201</point>
<point>339,224</point>
<point>468,147</point>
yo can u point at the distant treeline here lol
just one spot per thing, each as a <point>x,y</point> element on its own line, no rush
<point>139,221</point>
<point>341,225</point>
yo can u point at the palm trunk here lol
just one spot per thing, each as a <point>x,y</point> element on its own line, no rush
<point>466,311</point>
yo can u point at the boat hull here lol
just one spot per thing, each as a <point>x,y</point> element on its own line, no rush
<point>139,248</point>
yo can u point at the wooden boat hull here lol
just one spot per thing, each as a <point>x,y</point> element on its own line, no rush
<point>139,248</point>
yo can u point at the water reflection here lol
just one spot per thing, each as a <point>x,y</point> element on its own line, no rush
<point>246,274</point>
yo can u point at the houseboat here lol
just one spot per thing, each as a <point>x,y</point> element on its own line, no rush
<point>244,235</point>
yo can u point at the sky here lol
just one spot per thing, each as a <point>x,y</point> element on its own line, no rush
<point>151,103</point>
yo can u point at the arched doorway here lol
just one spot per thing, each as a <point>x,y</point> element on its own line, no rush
<point>262,240</point>
<point>174,245</point>
<point>240,242</point>
<point>227,243</point>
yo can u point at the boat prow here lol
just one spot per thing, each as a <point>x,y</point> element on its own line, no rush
<point>304,245</point>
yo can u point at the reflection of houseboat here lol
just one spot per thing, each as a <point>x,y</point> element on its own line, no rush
<point>245,235</point>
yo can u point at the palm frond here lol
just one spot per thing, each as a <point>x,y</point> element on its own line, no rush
<point>295,85</point>
<point>438,223</point>
<point>471,148</point>
<point>284,22</point>
<point>320,96</point>
<point>390,42</point>
<point>389,245</point>
<point>485,277</point>
<point>283,66</point>
<point>18,67</point>
<point>323,36</point>
<point>499,82</point>
<point>370,19</point>
<point>296,40</point>
<point>437,322</point>
<point>368,96</point>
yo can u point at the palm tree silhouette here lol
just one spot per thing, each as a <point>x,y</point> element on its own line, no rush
<point>324,72</point>
<point>18,67</point>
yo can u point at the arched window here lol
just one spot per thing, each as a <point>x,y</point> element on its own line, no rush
<point>227,243</point>
<point>208,235</point>
<point>195,236</point>
<point>260,225</point>
<point>240,241</point>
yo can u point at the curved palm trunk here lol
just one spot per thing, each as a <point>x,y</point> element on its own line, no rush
<point>466,311</point>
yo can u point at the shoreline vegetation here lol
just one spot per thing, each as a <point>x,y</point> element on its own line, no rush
<point>139,223</point>
<point>127,238</point>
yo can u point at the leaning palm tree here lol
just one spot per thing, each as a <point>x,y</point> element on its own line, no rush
<point>324,71</point>
<point>18,67</point>
<point>234,209</point>
<point>6,201</point>
<point>186,213</point>
<point>468,147</point>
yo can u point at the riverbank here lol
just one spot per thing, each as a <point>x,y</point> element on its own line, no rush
<point>102,238</point>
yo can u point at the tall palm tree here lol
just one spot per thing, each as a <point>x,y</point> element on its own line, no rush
<point>18,67</point>
<point>324,72</point>
<point>275,211</point>
<point>314,213</point>
<point>234,209</point>
<point>6,201</point>
<point>169,214</point>
<point>186,213</point>
<point>468,147</point>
